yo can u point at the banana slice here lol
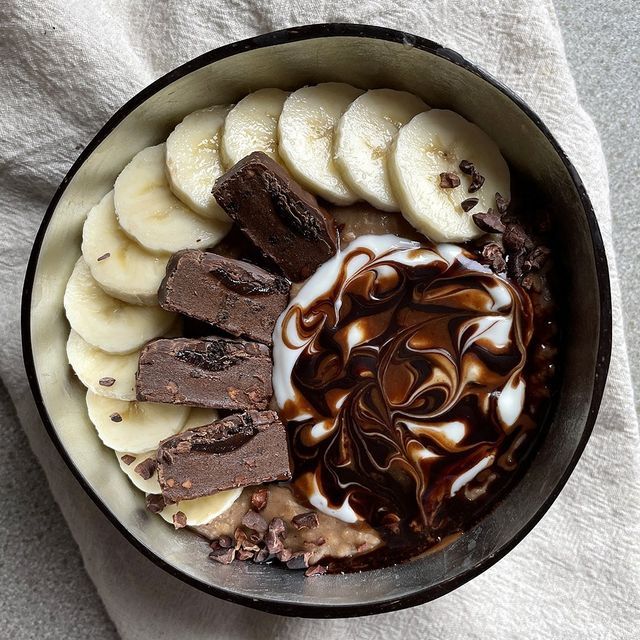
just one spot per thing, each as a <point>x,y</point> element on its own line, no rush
<point>106,374</point>
<point>252,125</point>
<point>148,211</point>
<point>306,132</point>
<point>120,266</point>
<point>194,162</point>
<point>436,142</point>
<point>202,510</point>
<point>108,323</point>
<point>150,485</point>
<point>363,136</point>
<point>136,427</point>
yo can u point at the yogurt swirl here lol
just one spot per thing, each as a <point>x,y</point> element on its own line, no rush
<point>399,368</point>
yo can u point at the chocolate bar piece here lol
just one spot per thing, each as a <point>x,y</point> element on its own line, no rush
<point>237,297</point>
<point>278,215</point>
<point>243,449</point>
<point>215,372</point>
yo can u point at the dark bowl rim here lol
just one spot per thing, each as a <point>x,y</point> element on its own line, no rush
<point>295,34</point>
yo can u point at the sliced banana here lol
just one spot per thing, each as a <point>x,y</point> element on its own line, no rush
<point>135,427</point>
<point>252,125</point>
<point>194,162</point>
<point>152,215</point>
<point>107,323</point>
<point>436,142</point>
<point>150,485</point>
<point>107,374</point>
<point>121,267</point>
<point>363,136</point>
<point>306,132</point>
<point>202,510</point>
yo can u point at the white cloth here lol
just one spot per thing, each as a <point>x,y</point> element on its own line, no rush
<point>67,65</point>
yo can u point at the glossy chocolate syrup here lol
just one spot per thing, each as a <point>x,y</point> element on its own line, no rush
<point>400,368</point>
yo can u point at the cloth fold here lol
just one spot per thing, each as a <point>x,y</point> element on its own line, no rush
<point>69,65</point>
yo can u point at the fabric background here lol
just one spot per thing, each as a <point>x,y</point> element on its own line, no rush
<point>72,64</point>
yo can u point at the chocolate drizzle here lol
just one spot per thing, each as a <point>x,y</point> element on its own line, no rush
<point>395,388</point>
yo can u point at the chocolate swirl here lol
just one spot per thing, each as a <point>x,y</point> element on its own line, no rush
<point>399,368</point>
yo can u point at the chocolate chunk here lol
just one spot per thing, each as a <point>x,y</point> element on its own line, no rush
<point>467,167</point>
<point>262,555</point>
<point>127,459</point>
<point>104,256</point>
<point>468,204</point>
<point>237,451</point>
<point>276,533</point>
<point>284,555</point>
<point>220,373</point>
<point>223,556</point>
<point>155,503</point>
<point>146,468</point>
<point>501,204</point>
<point>282,219</point>
<point>449,180</point>
<point>476,182</point>
<point>244,554</point>
<point>516,239</point>
<point>253,520</point>
<point>489,222</point>
<point>115,417</point>
<point>493,256</point>
<point>179,520</point>
<point>315,570</point>
<point>259,499</point>
<point>223,542</point>
<point>237,297</point>
<point>106,382</point>
<point>308,520</point>
<point>536,258</point>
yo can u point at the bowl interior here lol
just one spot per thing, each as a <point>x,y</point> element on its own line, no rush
<point>289,60</point>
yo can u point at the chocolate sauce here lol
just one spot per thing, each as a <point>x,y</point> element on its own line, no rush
<point>395,415</point>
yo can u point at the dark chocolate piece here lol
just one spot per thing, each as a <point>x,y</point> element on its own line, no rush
<point>106,382</point>
<point>241,450</point>
<point>276,533</point>
<point>237,297</point>
<point>127,459</point>
<point>449,180</point>
<point>146,468</point>
<point>220,373</point>
<point>115,417</point>
<point>489,221</point>
<point>476,182</point>
<point>223,556</point>
<point>104,256</point>
<point>501,204</point>
<point>467,167</point>
<point>253,520</point>
<point>282,219</point>
<point>259,499</point>
<point>308,520</point>
<point>179,520</point>
<point>155,503</point>
<point>493,256</point>
<point>468,204</point>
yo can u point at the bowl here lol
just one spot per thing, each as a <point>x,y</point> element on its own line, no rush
<point>369,57</point>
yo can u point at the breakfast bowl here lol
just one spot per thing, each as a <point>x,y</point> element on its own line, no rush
<point>367,57</point>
